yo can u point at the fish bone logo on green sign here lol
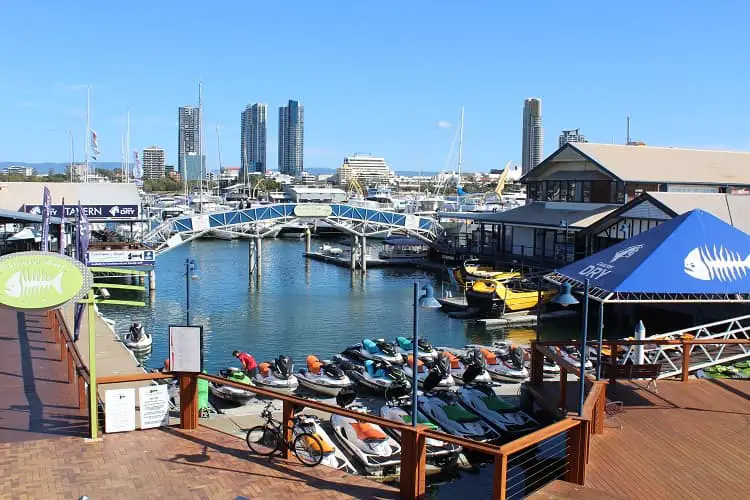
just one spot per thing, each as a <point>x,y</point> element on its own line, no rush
<point>41,280</point>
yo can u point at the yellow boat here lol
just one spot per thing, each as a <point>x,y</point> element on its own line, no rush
<point>509,296</point>
<point>471,270</point>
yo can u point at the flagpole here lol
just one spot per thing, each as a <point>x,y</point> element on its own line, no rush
<point>88,132</point>
<point>127,152</point>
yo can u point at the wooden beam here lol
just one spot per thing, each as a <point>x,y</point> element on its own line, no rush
<point>500,479</point>
<point>188,401</point>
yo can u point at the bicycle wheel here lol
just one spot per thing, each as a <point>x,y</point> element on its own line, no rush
<point>308,449</point>
<point>263,440</point>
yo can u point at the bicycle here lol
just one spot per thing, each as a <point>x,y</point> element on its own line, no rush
<point>266,439</point>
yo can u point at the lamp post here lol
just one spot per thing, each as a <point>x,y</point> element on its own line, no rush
<point>565,298</point>
<point>426,301</point>
<point>564,224</point>
<point>189,266</point>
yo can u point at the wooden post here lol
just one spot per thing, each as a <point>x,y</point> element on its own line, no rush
<point>71,366</point>
<point>62,349</point>
<point>685,360</point>
<point>613,363</point>
<point>600,409</point>
<point>563,389</point>
<point>287,413</point>
<point>537,366</point>
<point>500,479</point>
<point>413,460</point>
<point>576,456</point>
<point>81,391</point>
<point>188,401</point>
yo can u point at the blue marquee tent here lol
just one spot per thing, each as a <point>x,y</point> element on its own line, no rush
<point>694,257</point>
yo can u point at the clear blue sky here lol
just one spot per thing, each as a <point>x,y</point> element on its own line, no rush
<point>374,77</point>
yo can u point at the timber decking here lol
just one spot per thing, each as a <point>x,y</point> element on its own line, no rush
<point>36,400</point>
<point>167,463</point>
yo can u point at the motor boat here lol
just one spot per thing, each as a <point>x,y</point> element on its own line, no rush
<point>376,375</point>
<point>439,452</point>
<point>231,393</point>
<point>374,349</point>
<point>502,413</point>
<point>327,249</point>
<point>404,346</point>
<point>444,409</point>
<point>439,369</point>
<point>378,452</point>
<point>333,456</point>
<point>469,363</point>
<point>323,377</point>
<point>137,339</point>
<point>502,365</point>
<point>277,374</point>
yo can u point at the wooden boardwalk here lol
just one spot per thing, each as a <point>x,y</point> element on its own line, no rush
<point>167,463</point>
<point>36,401</point>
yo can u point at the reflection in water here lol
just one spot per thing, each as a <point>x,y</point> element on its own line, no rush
<point>296,307</point>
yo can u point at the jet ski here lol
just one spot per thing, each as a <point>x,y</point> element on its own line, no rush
<point>440,367</point>
<point>277,374</point>
<point>501,412</point>
<point>137,339</point>
<point>439,452</point>
<point>549,369</point>
<point>471,364</point>
<point>425,351</point>
<point>323,377</point>
<point>378,453</point>
<point>503,366</point>
<point>573,356</point>
<point>231,393</point>
<point>444,409</point>
<point>332,455</point>
<point>376,375</point>
<point>374,349</point>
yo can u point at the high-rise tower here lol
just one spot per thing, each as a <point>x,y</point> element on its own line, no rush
<point>533,134</point>
<point>189,159</point>
<point>253,139</point>
<point>291,138</point>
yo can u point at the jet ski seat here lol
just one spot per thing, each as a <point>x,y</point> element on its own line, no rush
<point>371,346</point>
<point>420,363</point>
<point>314,364</point>
<point>404,343</point>
<point>489,356</point>
<point>368,432</point>
<point>370,366</point>
<point>264,369</point>
<point>458,414</point>
<point>320,445</point>
<point>453,360</point>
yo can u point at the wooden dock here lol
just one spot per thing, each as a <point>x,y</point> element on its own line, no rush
<point>526,318</point>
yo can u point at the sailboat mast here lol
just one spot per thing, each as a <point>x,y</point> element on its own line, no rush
<point>200,141</point>
<point>218,150</point>
<point>460,156</point>
<point>87,136</point>
<point>127,151</point>
<point>72,155</point>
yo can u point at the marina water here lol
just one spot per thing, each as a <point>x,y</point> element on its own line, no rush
<point>296,307</point>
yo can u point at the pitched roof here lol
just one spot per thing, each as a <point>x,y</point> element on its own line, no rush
<point>539,213</point>
<point>13,195</point>
<point>669,165</point>
<point>732,209</point>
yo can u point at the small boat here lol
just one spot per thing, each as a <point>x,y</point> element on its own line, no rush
<point>231,393</point>
<point>444,409</point>
<point>222,234</point>
<point>323,377</point>
<point>277,374</point>
<point>438,369</point>
<point>439,452</point>
<point>500,296</point>
<point>332,455</point>
<point>374,349</point>
<point>330,250</point>
<point>376,375</point>
<point>471,270</point>
<point>404,346</point>
<point>502,413</point>
<point>404,249</point>
<point>137,339</point>
<point>468,364</point>
<point>378,453</point>
<point>504,365</point>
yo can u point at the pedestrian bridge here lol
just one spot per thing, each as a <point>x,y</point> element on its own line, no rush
<point>258,222</point>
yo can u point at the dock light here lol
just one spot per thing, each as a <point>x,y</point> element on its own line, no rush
<point>426,301</point>
<point>565,298</point>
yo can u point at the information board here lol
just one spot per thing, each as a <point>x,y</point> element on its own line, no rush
<point>119,410</point>
<point>185,348</point>
<point>153,401</point>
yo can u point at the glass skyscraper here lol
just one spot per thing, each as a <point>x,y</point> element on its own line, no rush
<point>291,138</point>
<point>253,139</point>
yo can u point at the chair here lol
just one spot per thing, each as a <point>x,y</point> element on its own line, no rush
<point>613,409</point>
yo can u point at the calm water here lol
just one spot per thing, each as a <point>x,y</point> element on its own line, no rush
<point>298,307</point>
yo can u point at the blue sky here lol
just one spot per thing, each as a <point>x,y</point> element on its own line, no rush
<point>379,77</point>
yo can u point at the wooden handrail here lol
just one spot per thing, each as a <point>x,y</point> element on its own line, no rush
<point>538,436</point>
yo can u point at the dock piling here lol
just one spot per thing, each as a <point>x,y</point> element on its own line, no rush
<point>259,256</point>
<point>355,242</point>
<point>363,256</point>
<point>251,257</point>
<point>307,240</point>
<point>151,280</point>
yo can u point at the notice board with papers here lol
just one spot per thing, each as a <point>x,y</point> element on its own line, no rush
<point>185,348</point>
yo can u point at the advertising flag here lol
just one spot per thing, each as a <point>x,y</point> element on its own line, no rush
<point>61,238</point>
<point>46,203</point>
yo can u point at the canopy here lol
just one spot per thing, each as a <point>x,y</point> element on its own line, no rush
<point>28,233</point>
<point>695,257</point>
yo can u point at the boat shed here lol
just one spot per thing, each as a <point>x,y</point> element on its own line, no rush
<point>102,202</point>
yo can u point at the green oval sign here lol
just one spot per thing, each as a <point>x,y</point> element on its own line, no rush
<point>41,280</point>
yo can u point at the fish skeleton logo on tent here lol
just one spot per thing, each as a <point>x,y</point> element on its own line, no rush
<point>707,264</point>
<point>626,253</point>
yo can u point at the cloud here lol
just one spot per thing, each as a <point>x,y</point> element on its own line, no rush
<point>444,124</point>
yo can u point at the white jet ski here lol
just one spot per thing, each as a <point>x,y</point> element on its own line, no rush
<point>375,375</point>
<point>323,377</point>
<point>501,412</point>
<point>439,452</point>
<point>374,349</point>
<point>425,351</point>
<point>505,348</point>
<point>230,393</point>
<point>332,455</point>
<point>378,453</point>
<point>468,364</point>
<point>572,355</point>
<point>443,409</point>
<point>503,366</point>
<point>137,339</point>
<point>276,374</point>
<point>440,367</point>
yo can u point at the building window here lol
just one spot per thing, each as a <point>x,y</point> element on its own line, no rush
<point>586,191</point>
<point>572,191</point>
<point>531,191</point>
<point>554,194</point>
<point>600,192</point>
<point>620,196</point>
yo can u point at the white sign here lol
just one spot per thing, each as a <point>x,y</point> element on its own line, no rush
<point>201,222</point>
<point>411,222</point>
<point>121,257</point>
<point>119,410</point>
<point>154,405</point>
<point>185,348</point>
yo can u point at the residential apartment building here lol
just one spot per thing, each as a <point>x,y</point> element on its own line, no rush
<point>291,138</point>
<point>368,170</point>
<point>532,147</point>
<point>191,161</point>
<point>153,163</point>
<point>253,139</point>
